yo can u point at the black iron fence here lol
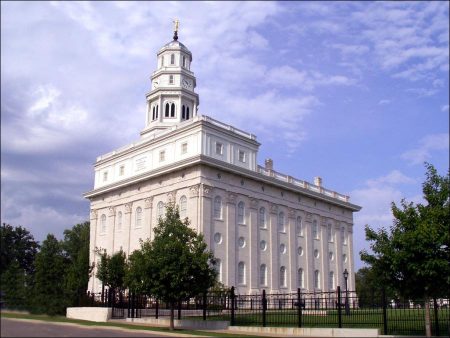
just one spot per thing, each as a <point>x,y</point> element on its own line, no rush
<point>337,309</point>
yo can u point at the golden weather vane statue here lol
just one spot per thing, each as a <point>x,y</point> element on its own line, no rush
<point>176,24</point>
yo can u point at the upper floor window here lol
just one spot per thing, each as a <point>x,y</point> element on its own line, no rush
<point>172,59</point>
<point>119,220</point>
<point>170,79</point>
<point>241,213</point>
<point>103,223</point>
<point>160,210</point>
<point>315,230</point>
<point>184,61</point>
<point>121,170</point>
<point>162,156</point>
<point>183,207</point>
<point>138,219</point>
<point>241,156</point>
<point>299,226</point>
<point>167,111</point>
<point>105,176</point>
<point>183,112</point>
<point>162,61</point>
<point>184,147</point>
<point>219,148</point>
<point>330,233</point>
<point>262,218</point>
<point>172,110</point>
<point>283,277</point>
<point>263,275</point>
<point>187,113</point>
<point>343,237</point>
<point>281,226</point>
<point>155,112</point>
<point>218,207</point>
<point>241,273</point>
<point>331,284</point>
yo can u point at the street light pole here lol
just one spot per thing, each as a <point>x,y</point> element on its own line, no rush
<point>347,305</point>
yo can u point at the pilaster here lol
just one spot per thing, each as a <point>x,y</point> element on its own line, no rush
<point>309,250</point>
<point>111,226</point>
<point>127,226</point>
<point>292,251</point>
<point>253,242</point>
<point>231,266</point>
<point>148,210</point>
<point>206,213</point>
<point>273,248</point>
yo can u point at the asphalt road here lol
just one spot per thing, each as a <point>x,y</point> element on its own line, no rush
<point>27,328</point>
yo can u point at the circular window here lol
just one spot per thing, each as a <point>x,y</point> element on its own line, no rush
<point>344,258</point>
<point>331,256</point>
<point>263,245</point>
<point>316,253</point>
<point>300,251</point>
<point>241,242</point>
<point>218,238</point>
<point>283,248</point>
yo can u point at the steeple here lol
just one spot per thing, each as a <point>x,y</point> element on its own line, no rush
<point>172,99</point>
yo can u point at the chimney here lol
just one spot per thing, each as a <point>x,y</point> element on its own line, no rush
<point>268,164</point>
<point>318,181</point>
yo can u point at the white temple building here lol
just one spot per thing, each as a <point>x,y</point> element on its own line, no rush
<point>268,230</point>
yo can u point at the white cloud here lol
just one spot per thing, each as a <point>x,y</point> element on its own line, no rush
<point>394,177</point>
<point>445,107</point>
<point>427,145</point>
<point>384,102</point>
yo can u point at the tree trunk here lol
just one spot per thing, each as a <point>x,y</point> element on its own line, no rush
<point>172,312</point>
<point>427,317</point>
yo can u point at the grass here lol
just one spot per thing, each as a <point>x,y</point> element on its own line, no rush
<point>61,319</point>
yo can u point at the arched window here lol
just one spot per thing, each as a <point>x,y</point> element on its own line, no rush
<point>183,112</point>
<point>283,277</point>
<point>218,267</point>
<point>154,113</point>
<point>218,207</point>
<point>187,113</point>
<point>241,273</point>
<point>317,279</point>
<point>103,223</point>
<point>183,207</point>
<point>162,61</point>
<point>263,275</point>
<point>170,79</point>
<point>330,233</point>
<point>138,219</point>
<point>184,61</point>
<point>300,278</point>
<point>160,210</point>
<point>331,281</point>
<point>172,59</point>
<point>119,220</point>
<point>343,237</point>
<point>241,213</point>
<point>166,113</point>
<point>262,218</point>
<point>172,110</point>
<point>315,230</point>
<point>281,226</point>
<point>299,226</point>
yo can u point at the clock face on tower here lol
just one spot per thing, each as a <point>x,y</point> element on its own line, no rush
<point>186,83</point>
<point>155,84</point>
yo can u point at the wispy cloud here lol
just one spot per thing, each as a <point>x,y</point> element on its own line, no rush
<point>427,145</point>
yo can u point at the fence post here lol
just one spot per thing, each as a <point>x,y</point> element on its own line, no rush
<point>339,305</point>
<point>204,305</point>
<point>385,326</point>
<point>233,319</point>
<point>436,319</point>
<point>157,309</point>
<point>264,308</point>
<point>129,304</point>
<point>179,309</point>
<point>299,307</point>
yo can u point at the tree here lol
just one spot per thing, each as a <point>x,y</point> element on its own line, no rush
<point>49,288</point>
<point>17,244</point>
<point>368,288</point>
<point>176,265</point>
<point>76,248</point>
<point>111,270</point>
<point>413,256</point>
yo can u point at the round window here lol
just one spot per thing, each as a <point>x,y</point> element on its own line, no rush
<point>263,245</point>
<point>344,258</point>
<point>316,253</point>
<point>241,242</point>
<point>218,238</point>
<point>300,251</point>
<point>331,256</point>
<point>283,248</point>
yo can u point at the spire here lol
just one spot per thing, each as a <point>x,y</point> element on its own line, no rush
<point>175,29</point>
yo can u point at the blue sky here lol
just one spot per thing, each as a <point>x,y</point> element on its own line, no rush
<point>354,92</point>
